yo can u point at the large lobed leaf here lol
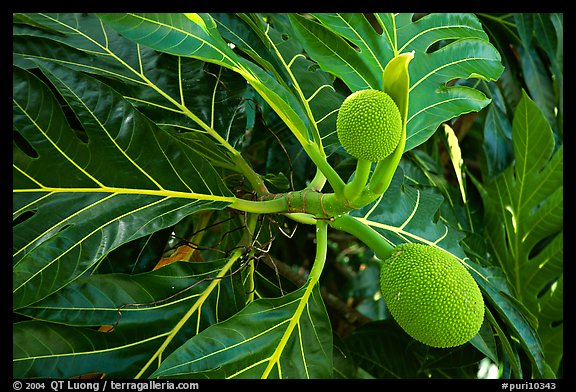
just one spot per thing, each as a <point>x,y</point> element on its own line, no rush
<point>179,94</point>
<point>142,309</point>
<point>285,337</point>
<point>524,225</point>
<point>446,47</point>
<point>104,155</point>
<point>197,36</point>
<point>78,194</point>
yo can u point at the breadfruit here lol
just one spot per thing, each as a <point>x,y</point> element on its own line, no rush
<point>431,295</point>
<point>369,125</point>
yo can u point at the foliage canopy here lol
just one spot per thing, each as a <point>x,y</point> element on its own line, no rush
<point>178,182</point>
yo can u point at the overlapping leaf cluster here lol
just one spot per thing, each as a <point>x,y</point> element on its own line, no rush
<point>131,130</point>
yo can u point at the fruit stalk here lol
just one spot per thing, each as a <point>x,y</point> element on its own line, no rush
<point>322,164</point>
<point>385,169</point>
<point>358,182</point>
<point>370,237</point>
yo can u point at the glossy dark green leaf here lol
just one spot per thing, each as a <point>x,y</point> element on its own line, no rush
<point>511,360</point>
<point>538,82</point>
<point>557,20</point>
<point>279,44</point>
<point>285,337</point>
<point>196,36</point>
<point>157,299</point>
<point>329,48</point>
<point>548,33</point>
<point>351,48</point>
<point>497,141</point>
<point>172,91</point>
<point>384,350</point>
<point>152,303</point>
<point>78,201</point>
<point>137,256</point>
<point>82,43</point>
<point>531,46</point>
<point>49,350</point>
<point>525,27</point>
<point>180,34</point>
<point>524,226</point>
<point>247,32</point>
<point>485,341</point>
<point>344,365</point>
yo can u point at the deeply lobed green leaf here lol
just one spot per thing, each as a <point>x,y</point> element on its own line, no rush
<point>138,94</point>
<point>446,47</point>
<point>78,200</point>
<point>524,226</point>
<point>252,344</point>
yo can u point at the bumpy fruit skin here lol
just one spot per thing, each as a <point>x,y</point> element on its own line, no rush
<point>431,295</point>
<point>369,125</point>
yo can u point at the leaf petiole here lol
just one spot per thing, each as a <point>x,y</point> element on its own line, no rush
<point>313,278</point>
<point>236,255</point>
<point>197,304</point>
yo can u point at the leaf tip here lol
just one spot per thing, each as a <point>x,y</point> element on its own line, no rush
<point>197,19</point>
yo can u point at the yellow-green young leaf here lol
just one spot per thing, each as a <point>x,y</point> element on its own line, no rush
<point>396,82</point>
<point>197,19</point>
<point>456,158</point>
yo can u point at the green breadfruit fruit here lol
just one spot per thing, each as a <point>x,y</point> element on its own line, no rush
<point>431,295</point>
<point>369,125</point>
